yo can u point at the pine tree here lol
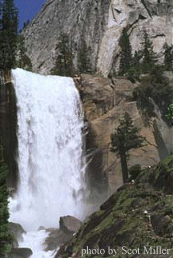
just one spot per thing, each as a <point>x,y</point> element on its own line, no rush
<point>8,34</point>
<point>149,56</point>
<point>64,60</point>
<point>23,61</point>
<point>125,138</point>
<point>126,52</point>
<point>84,61</point>
<point>168,57</point>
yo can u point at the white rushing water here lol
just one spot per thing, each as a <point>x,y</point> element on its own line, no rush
<point>50,149</point>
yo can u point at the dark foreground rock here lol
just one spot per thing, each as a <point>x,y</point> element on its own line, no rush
<point>16,231</point>
<point>20,253</point>
<point>56,238</point>
<point>136,221</point>
<point>68,225</point>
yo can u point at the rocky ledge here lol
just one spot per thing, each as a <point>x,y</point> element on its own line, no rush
<point>136,221</point>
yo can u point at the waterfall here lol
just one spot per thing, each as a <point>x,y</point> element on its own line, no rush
<point>50,122</point>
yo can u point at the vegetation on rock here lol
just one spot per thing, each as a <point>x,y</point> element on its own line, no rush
<point>169,115</point>
<point>138,216</point>
<point>125,138</point>
<point>84,61</point>
<point>64,61</point>
<point>125,53</point>
<point>23,61</point>
<point>142,61</point>
<point>154,89</point>
<point>168,57</point>
<point>149,58</point>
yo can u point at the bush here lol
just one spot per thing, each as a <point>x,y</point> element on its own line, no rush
<point>134,171</point>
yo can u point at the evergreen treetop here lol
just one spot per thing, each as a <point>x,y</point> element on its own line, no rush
<point>149,56</point>
<point>8,34</point>
<point>64,61</point>
<point>84,61</point>
<point>125,53</point>
<point>125,138</point>
<point>22,60</point>
<point>168,57</point>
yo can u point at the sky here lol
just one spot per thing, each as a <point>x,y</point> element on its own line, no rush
<point>28,9</point>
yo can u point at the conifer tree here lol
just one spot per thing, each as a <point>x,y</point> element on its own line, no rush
<point>23,61</point>
<point>149,56</point>
<point>64,61</point>
<point>125,138</point>
<point>125,53</point>
<point>168,57</point>
<point>8,34</point>
<point>84,61</point>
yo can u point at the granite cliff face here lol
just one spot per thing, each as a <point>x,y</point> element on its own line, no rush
<point>99,24</point>
<point>104,102</point>
<point>81,20</point>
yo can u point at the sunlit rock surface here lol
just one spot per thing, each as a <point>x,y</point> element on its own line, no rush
<point>99,24</point>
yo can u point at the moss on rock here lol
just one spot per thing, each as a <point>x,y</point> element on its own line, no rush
<point>138,216</point>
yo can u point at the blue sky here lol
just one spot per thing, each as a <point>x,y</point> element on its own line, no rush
<point>28,9</point>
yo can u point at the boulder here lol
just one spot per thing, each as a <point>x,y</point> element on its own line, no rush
<point>56,238</point>
<point>20,253</point>
<point>69,224</point>
<point>162,225</point>
<point>16,230</point>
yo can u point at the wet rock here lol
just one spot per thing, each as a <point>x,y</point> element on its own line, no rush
<point>56,238</point>
<point>69,224</point>
<point>20,253</point>
<point>16,230</point>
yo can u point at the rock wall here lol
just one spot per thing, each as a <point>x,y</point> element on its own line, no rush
<point>155,17</point>
<point>99,24</point>
<point>104,102</point>
<point>8,125</point>
<point>82,20</point>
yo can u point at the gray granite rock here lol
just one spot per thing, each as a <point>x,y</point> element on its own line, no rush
<point>99,24</point>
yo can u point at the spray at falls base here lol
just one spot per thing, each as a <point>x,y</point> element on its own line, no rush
<point>50,165</point>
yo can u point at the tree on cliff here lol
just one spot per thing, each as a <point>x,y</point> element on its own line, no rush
<point>125,138</point>
<point>23,61</point>
<point>168,57</point>
<point>8,34</point>
<point>84,61</point>
<point>149,59</point>
<point>125,53</point>
<point>5,237</point>
<point>64,61</point>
